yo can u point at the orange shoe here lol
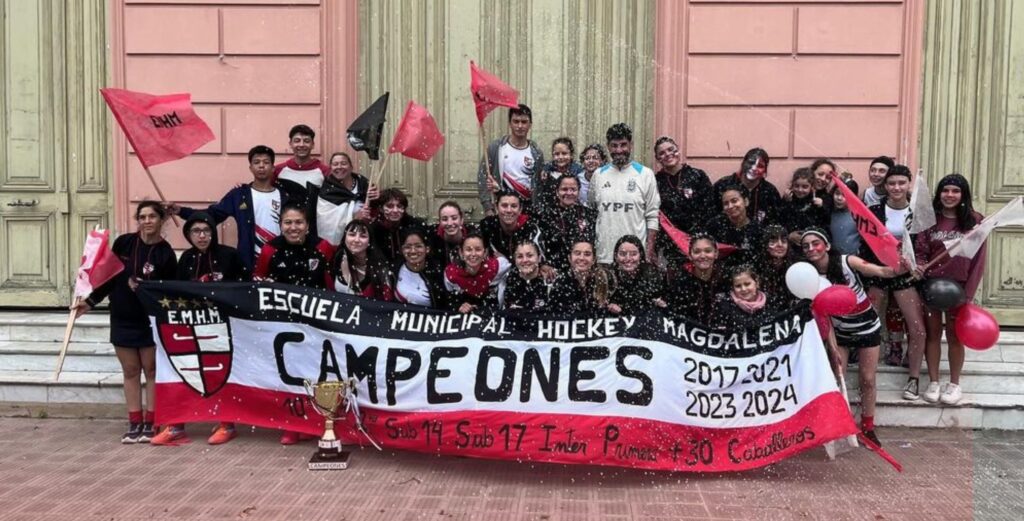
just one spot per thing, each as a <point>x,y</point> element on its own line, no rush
<point>289,438</point>
<point>171,435</point>
<point>224,433</point>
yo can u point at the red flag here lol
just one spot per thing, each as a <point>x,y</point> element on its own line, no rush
<point>874,233</point>
<point>98,265</point>
<point>160,128</point>
<point>489,92</point>
<point>682,239</point>
<point>417,136</point>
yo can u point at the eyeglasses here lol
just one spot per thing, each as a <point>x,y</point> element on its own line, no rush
<point>200,233</point>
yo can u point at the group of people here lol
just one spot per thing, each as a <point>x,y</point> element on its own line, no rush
<point>564,236</point>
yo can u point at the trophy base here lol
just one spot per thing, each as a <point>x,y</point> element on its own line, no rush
<point>329,461</point>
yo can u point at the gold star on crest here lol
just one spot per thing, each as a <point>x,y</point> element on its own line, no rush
<point>165,303</point>
<point>181,302</point>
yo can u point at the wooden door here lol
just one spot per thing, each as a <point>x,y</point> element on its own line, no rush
<point>557,54</point>
<point>53,162</point>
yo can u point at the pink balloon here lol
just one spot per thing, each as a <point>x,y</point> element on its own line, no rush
<point>975,327</point>
<point>835,300</point>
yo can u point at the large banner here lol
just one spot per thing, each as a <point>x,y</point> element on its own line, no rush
<point>651,391</point>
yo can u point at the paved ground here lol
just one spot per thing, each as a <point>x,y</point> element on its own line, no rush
<point>75,469</point>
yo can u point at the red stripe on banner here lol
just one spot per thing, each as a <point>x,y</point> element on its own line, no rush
<point>559,438</point>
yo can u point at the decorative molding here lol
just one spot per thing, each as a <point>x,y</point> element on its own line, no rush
<point>119,146</point>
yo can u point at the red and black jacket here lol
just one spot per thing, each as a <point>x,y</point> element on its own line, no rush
<point>306,264</point>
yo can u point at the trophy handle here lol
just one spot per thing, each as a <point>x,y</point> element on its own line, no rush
<point>311,394</point>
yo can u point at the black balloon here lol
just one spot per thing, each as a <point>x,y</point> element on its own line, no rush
<point>943,294</point>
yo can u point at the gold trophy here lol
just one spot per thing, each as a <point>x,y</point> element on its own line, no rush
<point>327,398</point>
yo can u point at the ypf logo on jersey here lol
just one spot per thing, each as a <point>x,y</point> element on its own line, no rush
<point>200,354</point>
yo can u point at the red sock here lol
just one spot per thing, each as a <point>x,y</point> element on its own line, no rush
<point>867,422</point>
<point>149,417</point>
<point>134,416</point>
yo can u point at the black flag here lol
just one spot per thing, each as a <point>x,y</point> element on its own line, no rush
<point>364,133</point>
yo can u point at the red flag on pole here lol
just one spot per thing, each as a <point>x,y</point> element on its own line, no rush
<point>682,239</point>
<point>160,128</point>
<point>98,265</point>
<point>417,136</point>
<point>874,233</point>
<point>489,92</point>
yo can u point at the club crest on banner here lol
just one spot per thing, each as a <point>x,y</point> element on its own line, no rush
<point>200,354</point>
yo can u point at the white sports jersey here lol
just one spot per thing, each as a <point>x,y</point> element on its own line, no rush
<point>517,169</point>
<point>627,203</point>
<point>266,208</point>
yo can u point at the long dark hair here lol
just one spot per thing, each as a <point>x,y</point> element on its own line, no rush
<point>965,218</point>
<point>376,266</point>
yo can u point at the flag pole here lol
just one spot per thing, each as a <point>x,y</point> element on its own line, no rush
<point>487,161</point>
<point>159,192</point>
<point>375,176</point>
<point>67,338</point>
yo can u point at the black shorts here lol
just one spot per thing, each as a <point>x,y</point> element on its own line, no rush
<point>859,330</point>
<point>136,335</point>
<point>897,283</point>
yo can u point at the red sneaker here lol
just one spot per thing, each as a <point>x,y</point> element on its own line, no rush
<point>171,435</point>
<point>224,433</point>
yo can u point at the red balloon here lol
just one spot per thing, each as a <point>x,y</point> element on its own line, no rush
<point>975,327</point>
<point>835,300</point>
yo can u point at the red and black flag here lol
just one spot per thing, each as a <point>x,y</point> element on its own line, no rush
<point>364,133</point>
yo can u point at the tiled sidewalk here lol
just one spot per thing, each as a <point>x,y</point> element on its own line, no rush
<point>76,469</point>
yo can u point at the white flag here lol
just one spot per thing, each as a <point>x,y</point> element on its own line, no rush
<point>1010,215</point>
<point>922,212</point>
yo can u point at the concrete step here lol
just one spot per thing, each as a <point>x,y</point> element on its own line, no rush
<point>1005,378</point>
<point>45,326</point>
<point>71,388</point>
<point>975,411</point>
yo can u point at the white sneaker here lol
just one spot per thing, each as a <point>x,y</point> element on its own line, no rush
<point>952,394</point>
<point>931,394</point>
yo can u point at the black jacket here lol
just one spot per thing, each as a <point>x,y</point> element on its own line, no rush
<point>729,316</point>
<point>141,261</point>
<point>687,200</point>
<point>636,293</point>
<point>567,296</point>
<point>747,240</point>
<point>218,263</point>
<point>306,264</point>
<point>332,191</point>
<point>773,283</point>
<point>441,251</point>
<point>387,238</point>
<point>529,295</point>
<point>560,226</point>
<point>763,198</point>
<point>505,243</point>
<point>693,297</point>
<point>800,214</point>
